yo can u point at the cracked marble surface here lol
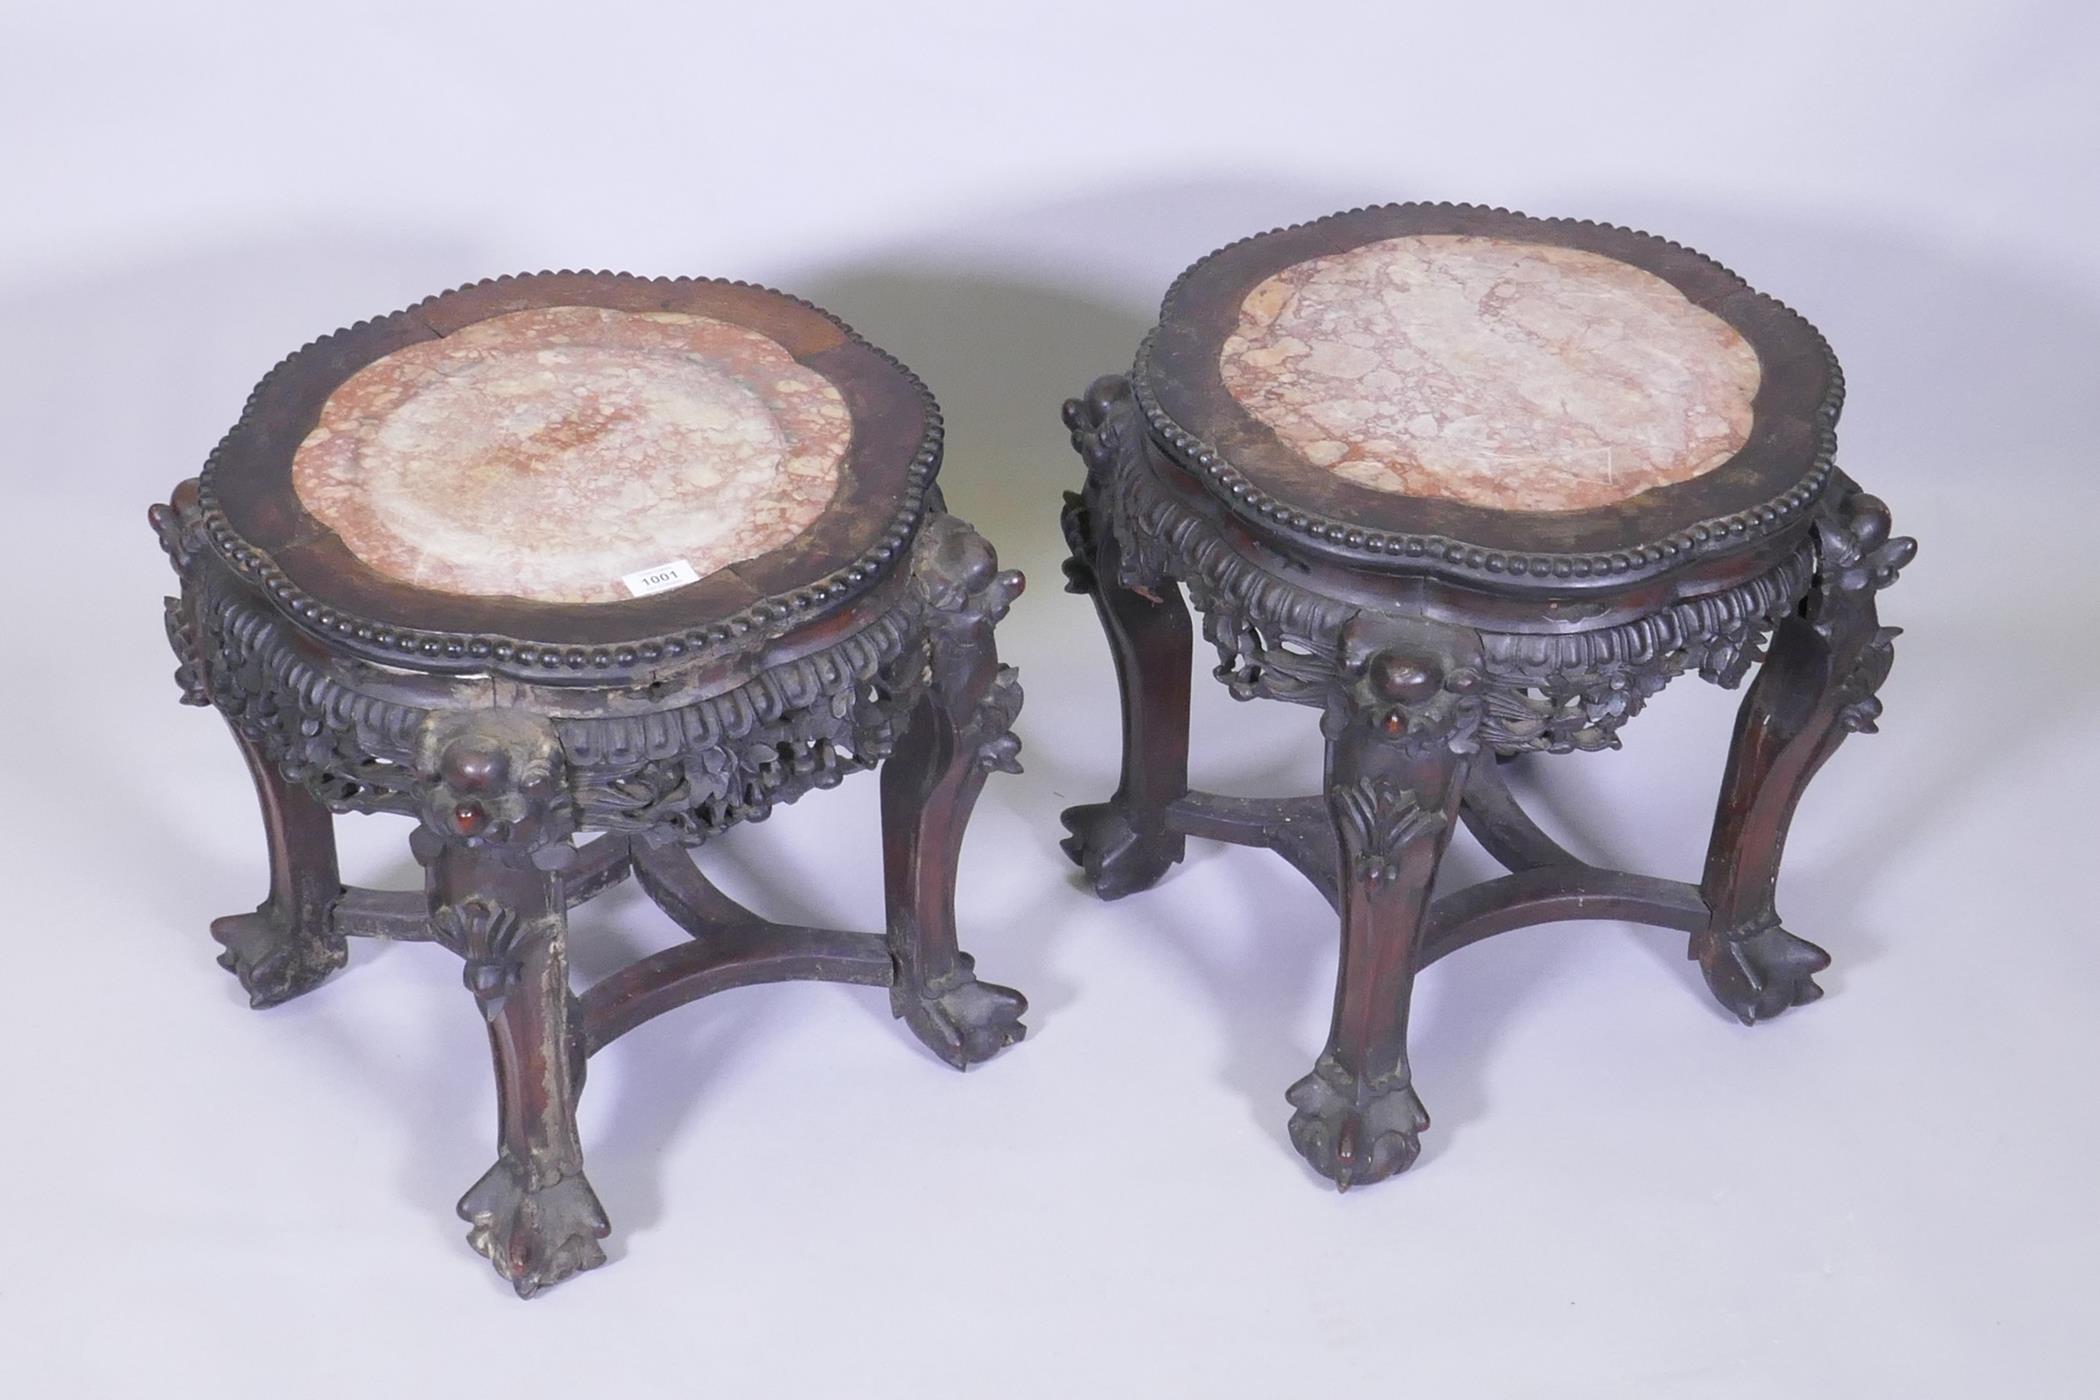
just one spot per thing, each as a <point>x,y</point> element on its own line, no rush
<point>545,454</point>
<point>1502,374</point>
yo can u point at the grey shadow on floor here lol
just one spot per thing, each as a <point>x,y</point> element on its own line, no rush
<point>1005,313</point>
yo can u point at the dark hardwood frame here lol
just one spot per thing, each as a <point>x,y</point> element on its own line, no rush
<point>1435,658</point>
<point>505,744</point>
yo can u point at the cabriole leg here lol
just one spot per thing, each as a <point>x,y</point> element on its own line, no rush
<point>493,843</point>
<point>1817,685</point>
<point>286,946</point>
<point>1399,729</point>
<point>1123,844</point>
<point>959,730</point>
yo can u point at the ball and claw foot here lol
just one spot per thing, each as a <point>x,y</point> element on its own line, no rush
<point>1117,859</point>
<point>1352,1132</point>
<point>274,965</point>
<point>967,1021</point>
<point>1762,974</point>
<point>535,1236</point>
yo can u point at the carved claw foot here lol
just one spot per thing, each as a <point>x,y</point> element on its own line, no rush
<point>1354,1132</point>
<point>1116,858</point>
<point>273,962</point>
<point>967,1021</point>
<point>1759,975</point>
<point>536,1236</point>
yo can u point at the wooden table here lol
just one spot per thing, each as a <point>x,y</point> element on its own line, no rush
<point>1473,485</point>
<point>582,552</point>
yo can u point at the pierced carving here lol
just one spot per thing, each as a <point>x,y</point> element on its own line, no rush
<point>350,750</point>
<point>1108,440</point>
<point>1252,665</point>
<point>1555,693</point>
<point>1564,711</point>
<point>1279,640</point>
<point>680,774</point>
<point>180,527</point>
<point>1736,640</point>
<point>690,774</point>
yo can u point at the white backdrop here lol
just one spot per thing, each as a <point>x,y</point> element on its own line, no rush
<point>1625,1193</point>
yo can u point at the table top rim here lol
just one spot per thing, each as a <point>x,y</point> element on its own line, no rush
<point>1762,490</point>
<point>252,519</point>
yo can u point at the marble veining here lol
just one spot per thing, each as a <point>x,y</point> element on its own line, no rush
<point>1503,374</point>
<point>545,454</point>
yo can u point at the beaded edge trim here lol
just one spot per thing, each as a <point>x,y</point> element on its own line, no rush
<point>1457,556</point>
<point>524,657</point>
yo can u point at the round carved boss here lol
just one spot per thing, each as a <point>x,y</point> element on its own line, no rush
<point>573,478</point>
<point>1533,405</point>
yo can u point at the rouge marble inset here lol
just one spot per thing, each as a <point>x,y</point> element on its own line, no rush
<point>547,453</point>
<point>1494,372</point>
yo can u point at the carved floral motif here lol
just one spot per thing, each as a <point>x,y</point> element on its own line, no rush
<point>494,778</point>
<point>1381,820</point>
<point>352,751</point>
<point>957,574</point>
<point>682,774</point>
<point>1856,558</point>
<point>1549,692</point>
<point>179,526</point>
<point>999,748</point>
<point>492,940</point>
<point>1415,701</point>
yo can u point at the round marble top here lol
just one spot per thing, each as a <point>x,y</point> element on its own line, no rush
<point>1503,374</point>
<point>574,454</point>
